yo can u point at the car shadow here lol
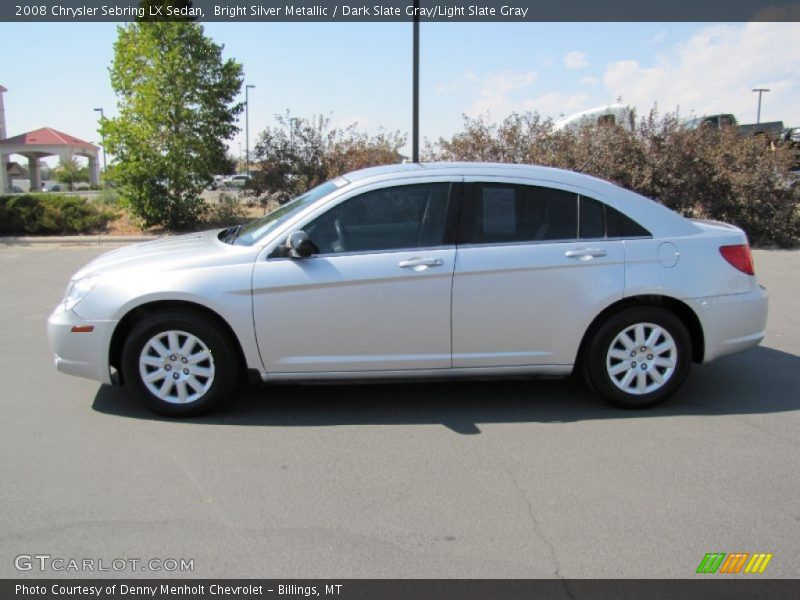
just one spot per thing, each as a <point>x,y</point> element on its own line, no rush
<point>763,380</point>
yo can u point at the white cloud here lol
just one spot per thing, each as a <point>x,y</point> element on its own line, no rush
<point>589,80</point>
<point>715,70</point>
<point>657,38</point>
<point>495,90</point>
<point>575,60</point>
<point>556,104</point>
<point>496,95</point>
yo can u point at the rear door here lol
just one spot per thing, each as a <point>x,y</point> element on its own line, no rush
<point>534,266</point>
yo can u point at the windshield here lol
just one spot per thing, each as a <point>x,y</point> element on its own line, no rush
<point>258,228</point>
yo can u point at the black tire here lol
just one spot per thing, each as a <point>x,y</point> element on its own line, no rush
<point>598,363</point>
<point>222,363</point>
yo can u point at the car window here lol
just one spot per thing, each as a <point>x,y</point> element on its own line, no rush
<point>592,218</point>
<point>502,213</point>
<point>599,220</point>
<point>619,225</point>
<point>409,216</point>
<point>258,228</point>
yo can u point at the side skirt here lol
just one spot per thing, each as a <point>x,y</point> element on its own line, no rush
<point>521,372</point>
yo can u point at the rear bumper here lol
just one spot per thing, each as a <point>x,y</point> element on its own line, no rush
<point>80,354</point>
<point>731,323</point>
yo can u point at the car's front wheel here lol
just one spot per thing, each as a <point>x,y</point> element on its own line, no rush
<point>179,364</point>
<point>638,357</point>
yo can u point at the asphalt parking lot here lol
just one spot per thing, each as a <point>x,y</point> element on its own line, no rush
<point>489,479</point>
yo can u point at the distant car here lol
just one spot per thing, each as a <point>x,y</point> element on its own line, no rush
<point>15,189</point>
<point>54,188</point>
<point>238,181</point>
<point>216,181</point>
<point>419,271</point>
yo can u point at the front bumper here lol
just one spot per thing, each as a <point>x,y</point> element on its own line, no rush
<point>80,354</point>
<point>732,323</point>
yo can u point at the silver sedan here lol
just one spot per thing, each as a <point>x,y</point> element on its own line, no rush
<point>419,271</point>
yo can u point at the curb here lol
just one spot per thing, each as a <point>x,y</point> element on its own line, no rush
<point>75,240</point>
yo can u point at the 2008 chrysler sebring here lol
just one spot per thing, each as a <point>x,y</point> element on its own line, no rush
<point>419,270</point>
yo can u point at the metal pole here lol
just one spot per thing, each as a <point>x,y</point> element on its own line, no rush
<point>415,110</point>
<point>102,139</point>
<point>247,128</point>
<point>758,114</point>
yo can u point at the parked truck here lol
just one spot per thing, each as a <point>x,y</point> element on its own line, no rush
<point>770,129</point>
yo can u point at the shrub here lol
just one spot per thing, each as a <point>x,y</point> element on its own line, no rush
<point>227,211</point>
<point>300,153</point>
<point>51,214</point>
<point>699,173</point>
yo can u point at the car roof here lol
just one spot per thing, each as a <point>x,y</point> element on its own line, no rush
<point>471,169</point>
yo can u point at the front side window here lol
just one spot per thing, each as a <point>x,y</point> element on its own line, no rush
<point>503,213</point>
<point>409,216</point>
<point>258,228</point>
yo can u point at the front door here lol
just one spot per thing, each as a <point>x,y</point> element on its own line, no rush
<point>374,297</point>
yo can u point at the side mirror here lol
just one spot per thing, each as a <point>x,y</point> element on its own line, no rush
<point>299,246</point>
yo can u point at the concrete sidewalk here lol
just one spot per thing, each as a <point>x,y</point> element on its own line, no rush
<point>83,240</point>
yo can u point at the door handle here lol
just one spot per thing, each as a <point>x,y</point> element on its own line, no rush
<point>585,253</point>
<point>418,264</point>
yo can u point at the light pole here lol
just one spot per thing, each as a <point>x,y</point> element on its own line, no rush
<point>415,89</point>
<point>758,114</point>
<point>247,128</point>
<point>102,138</point>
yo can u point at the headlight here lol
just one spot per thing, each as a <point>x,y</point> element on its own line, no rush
<point>77,291</point>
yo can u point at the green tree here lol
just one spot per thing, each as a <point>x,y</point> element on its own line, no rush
<point>226,165</point>
<point>70,171</point>
<point>176,110</point>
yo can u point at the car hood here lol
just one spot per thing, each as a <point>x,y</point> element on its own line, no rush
<point>163,254</point>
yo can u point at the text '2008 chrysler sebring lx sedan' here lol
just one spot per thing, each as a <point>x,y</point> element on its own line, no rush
<point>419,270</point>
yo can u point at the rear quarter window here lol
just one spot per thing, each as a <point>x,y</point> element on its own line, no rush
<point>599,220</point>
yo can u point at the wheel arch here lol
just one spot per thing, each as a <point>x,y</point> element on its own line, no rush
<point>137,313</point>
<point>678,308</point>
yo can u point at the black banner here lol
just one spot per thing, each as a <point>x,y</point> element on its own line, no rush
<point>403,10</point>
<point>713,588</point>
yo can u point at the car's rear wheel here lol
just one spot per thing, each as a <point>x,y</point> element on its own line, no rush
<point>179,364</point>
<point>638,357</point>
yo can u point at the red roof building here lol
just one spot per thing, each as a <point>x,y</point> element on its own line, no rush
<point>37,144</point>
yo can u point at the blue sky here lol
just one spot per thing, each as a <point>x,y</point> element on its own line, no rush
<point>362,72</point>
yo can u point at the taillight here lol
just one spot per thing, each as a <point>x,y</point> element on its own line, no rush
<point>740,257</point>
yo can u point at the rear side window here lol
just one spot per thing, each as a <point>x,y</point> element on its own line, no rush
<point>502,213</point>
<point>598,220</point>
<point>619,225</point>
<point>592,218</point>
